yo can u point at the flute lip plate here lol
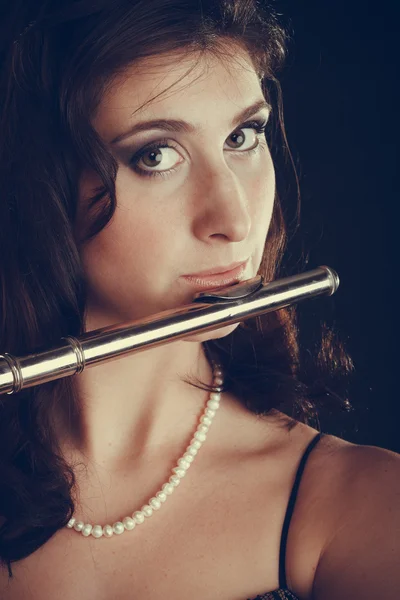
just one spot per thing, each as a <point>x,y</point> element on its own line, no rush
<point>243,289</point>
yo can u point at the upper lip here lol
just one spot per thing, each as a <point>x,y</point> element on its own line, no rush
<point>217,270</point>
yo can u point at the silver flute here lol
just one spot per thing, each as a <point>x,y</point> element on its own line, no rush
<point>209,310</point>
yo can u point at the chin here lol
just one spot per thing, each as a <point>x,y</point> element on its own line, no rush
<point>212,335</point>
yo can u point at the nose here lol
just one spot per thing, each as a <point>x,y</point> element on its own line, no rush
<point>221,206</point>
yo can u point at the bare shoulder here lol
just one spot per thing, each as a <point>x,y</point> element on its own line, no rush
<point>363,539</point>
<point>350,472</point>
<point>353,462</point>
<point>369,483</point>
<point>341,486</point>
<point>364,472</point>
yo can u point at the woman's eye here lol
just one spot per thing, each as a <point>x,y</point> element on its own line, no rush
<point>246,139</point>
<point>161,154</point>
<point>239,138</point>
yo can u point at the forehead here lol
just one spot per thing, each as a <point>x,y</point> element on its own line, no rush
<point>177,85</point>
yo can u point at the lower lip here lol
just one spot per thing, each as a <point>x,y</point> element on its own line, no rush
<point>217,280</point>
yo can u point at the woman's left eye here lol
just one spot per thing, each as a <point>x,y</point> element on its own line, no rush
<point>151,155</point>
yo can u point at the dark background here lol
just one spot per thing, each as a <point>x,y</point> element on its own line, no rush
<point>341,102</point>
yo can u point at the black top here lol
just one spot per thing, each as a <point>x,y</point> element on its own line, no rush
<point>283,593</point>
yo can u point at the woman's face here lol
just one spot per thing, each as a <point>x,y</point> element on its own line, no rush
<point>206,201</point>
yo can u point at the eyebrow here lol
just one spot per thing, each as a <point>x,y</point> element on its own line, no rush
<point>180,126</point>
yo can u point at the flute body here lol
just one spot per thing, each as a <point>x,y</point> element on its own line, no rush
<point>209,310</point>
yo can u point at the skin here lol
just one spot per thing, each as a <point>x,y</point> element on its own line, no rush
<point>213,210</point>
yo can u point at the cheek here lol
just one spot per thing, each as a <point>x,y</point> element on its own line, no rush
<point>127,276</point>
<point>128,247</point>
<point>130,265</point>
<point>139,234</point>
<point>261,200</point>
<point>262,195</point>
<point>144,219</point>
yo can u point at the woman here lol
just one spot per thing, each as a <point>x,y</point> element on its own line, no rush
<point>109,216</point>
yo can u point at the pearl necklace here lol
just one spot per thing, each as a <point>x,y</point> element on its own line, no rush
<point>178,472</point>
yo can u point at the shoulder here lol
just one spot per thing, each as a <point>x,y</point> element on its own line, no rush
<point>363,541</point>
<point>372,468</point>
<point>358,480</point>
<point>343,487</point>
<point>365,474</point>
<point>368,480</point>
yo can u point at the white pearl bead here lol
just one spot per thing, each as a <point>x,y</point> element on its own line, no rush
<point>188,457</point>
<point>87,530</point>
<point>167,488</point>
<point>215,396</point>
<point>213,404</point>
<point>218,381</point>
<point>155,503</point>
<point>147,510</point>
<point>97,531</point>
<point>195,443</point>
<point>203,428</point>
<point>108,531</point>
<point>78,525</point>
<point>71,522</point>
<point>179,472</point>
<point>201,437</point>
<point>129,523</point>
<point>191,450</point>
<point>138,517</point>
<point>210,413</point>
<point>206,420</point>
<point>118,528</point>
<point>162,496</point>
<point>174,480</point>
<point>184,464</point>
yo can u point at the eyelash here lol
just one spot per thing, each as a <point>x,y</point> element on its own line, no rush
<point>259,126</point>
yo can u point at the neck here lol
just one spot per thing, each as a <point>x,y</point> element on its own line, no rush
<point>137,406</point>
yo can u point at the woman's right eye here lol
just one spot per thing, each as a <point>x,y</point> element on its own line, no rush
<point>151,156</point>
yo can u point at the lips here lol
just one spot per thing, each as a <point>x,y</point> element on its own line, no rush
<point>217,277</point>
<point>217,270</point>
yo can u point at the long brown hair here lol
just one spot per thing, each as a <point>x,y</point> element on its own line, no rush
<point>57,58</point>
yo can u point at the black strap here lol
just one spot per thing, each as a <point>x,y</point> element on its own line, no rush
<point>289,510</point>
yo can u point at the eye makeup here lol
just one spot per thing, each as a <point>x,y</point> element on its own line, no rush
<point>258,125</point>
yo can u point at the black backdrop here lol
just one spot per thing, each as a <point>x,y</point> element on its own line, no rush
<point>341,106</point>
